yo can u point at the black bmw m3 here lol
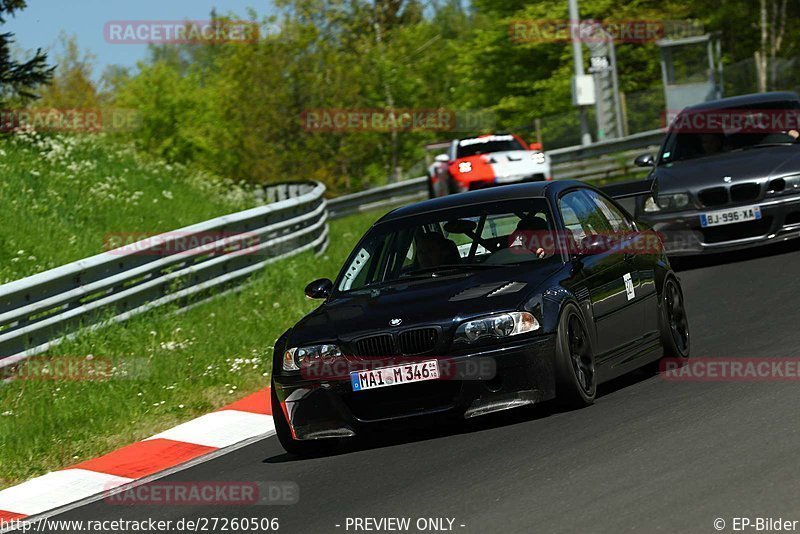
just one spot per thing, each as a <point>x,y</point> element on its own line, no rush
<point>475,303</point>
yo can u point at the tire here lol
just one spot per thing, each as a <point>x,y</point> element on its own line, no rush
<point>307,449</point>
<point>431,190</point>
<point>576,377</point>
<point>452,188</point>
<point>674,323</point>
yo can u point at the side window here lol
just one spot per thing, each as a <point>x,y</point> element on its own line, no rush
<point>582,217</point>
<point>569,207</point>
<point>615,218</point>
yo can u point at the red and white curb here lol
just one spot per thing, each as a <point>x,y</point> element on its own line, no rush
<point>239,423</point>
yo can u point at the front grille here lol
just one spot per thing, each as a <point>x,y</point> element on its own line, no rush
<point>745,192</point>
<point>380,345</point>
<point>713,196</point>
<point>777,185</point>
<point>743,230</point>
<point>418,341</point>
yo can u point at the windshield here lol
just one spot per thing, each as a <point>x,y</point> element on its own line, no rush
<point>703,133</point>
<point>463,239</point>
<point>487,145</point>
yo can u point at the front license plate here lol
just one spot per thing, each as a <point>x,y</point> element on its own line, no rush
<point>736,215</point>
<point>395,375</point>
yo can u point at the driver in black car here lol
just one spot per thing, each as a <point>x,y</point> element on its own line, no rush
<point>527,241</point>
<point>530,235</point>
<point>711,143</point>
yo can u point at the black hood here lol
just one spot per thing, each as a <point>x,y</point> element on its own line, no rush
<point>756,164</point>
<point>430,301</point>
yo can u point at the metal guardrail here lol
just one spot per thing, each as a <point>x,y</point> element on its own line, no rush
<point>190,264</point>
<point>603,167</point>
<point>388,195</point>
<point>602,148</point>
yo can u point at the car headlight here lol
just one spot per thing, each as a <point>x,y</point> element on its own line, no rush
<point>673,201</point>
<point>498,326</point>
<point>296,357</point>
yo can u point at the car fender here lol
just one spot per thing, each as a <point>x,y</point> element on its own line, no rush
<point>554,299</point>
<point>278,350</point>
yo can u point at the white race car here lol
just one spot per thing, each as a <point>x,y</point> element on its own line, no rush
<point>486,161</point>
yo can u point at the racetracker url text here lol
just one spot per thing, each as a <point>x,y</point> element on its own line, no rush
<point>196,524</point>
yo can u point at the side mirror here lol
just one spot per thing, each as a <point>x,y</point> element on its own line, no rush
<point>319,289</point>
<point>442,158</point>
<point>644,160</point>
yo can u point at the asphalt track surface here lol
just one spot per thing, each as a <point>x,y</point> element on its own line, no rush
<point>649,456</point>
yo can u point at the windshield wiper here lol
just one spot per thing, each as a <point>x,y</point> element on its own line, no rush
<point>433,271</point>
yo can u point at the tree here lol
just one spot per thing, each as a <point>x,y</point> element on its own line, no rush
<point>773,24</point>
<point>19,78</point>
<point>72,86</point>
<point>241,109</point>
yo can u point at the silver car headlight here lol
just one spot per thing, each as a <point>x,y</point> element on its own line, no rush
<point>674,201</point>
<point>296,357</point>
<point>497,326</point>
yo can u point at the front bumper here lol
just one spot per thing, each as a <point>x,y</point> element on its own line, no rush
<point>683,234</point>
<point>473,185</point>
<point>522,374</point>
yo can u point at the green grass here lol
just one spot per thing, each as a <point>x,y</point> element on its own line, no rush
<point>168,367</point>
<point>62,196</point>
